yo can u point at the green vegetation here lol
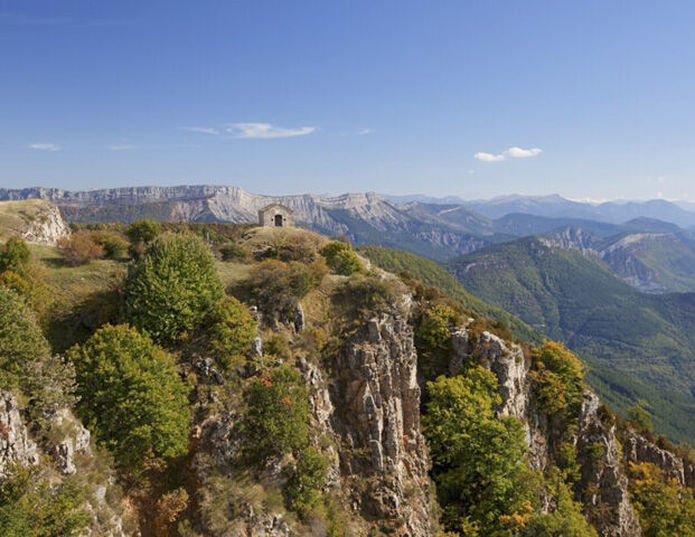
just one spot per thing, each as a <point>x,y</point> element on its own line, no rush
<point>143,231</point>
<point>558,380</point>
<point>663,506</point>
<point>303,488</point>
<point>230,329</point>
<point>131,396</point>
<point>277,414</point>
<point>640,418</point>
<point>433,330</point>
<point>341,258</point>
<point>477,457</point>
<point>637,347</point>
<point>170,291</point>
<point>14,256</point>
<point>25,359</point>
<point>31,506</point>
<point>276,287</point>
<point>431,274</point>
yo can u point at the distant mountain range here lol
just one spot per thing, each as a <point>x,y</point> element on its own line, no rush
<point>438,228</point>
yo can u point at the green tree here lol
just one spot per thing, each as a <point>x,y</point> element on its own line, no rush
<point>640,417</point>
<point>433,338</point>
<point>566,520</point>
<point>557,378</point>
<point>664,507</point>
<point>277,413</point>
<point>303,488</point>
<point>477,457</point>
<point>30,506</point>
<point>131,396</point>
<point>231,329</point>
<point>26,362</point>
<point>143,231</point>
<point>171,290</point>
<point>15,256</point>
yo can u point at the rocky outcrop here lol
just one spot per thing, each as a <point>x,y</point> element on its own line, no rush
<point>603,484</point>
<point>35,221</point>
<point>16,447</point>
<point>637,448</point>
<point>603,487</point>
<point>376,398</point>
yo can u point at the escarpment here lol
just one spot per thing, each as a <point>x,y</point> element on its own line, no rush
<point>377,403</point>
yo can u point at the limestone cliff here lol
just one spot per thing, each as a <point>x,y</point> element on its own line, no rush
<point>35,221</point>
<point>603,485</point>
<point>66,451</point>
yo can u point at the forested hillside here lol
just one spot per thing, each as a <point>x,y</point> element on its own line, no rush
<point>640,346</point>
<point>201,380</point>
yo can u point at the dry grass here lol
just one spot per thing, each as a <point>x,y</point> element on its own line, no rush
<point>15,216</point>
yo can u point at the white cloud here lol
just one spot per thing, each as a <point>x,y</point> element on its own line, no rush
<point>121,147</point>
<point>512,152</point>
<point>45,147</point>
<point>489,157</point>
<point>517,152</point>
<point>266,131</point>
<point>363,132</point>
<point>202,130</point>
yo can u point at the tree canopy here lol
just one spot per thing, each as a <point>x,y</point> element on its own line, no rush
<point>131,396</point>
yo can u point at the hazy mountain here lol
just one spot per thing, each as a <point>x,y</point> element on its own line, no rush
<point>435,231</point>
<point>623,333</point>
<point>555,206</point>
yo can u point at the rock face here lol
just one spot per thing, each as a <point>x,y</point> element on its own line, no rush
<point>603,487</point>
<point>603,481</point>
<point>35,221</point>
<point>639,449</point>
<point>15,445</point>
<point>376,399</point>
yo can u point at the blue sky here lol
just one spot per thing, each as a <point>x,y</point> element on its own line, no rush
<point>476,99</point>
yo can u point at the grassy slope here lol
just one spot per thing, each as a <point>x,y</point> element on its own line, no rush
<point>622,333</point>
<point>431,274</point>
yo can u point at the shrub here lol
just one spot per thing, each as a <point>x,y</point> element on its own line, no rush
<point>141,233</point>
<point>172,289</point>
<point>341,258</point>
<point>25,359</point>
<point>302,490</point>
<point>277,414</point>
<point>114,244</point>
<point>80,248</point>
<point>433,338</point>
<point>277,287</point>
<point>557,378</point>
<point>662,505</point>
<point>144,231</point>
<point>367,295</point>
<point>31,506</point>
<point>231,330</point>
<point>15,256</point>
<point>233,252</point>
<point>640,418</point>
<point>14,281</point>
<point>131,396</point>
